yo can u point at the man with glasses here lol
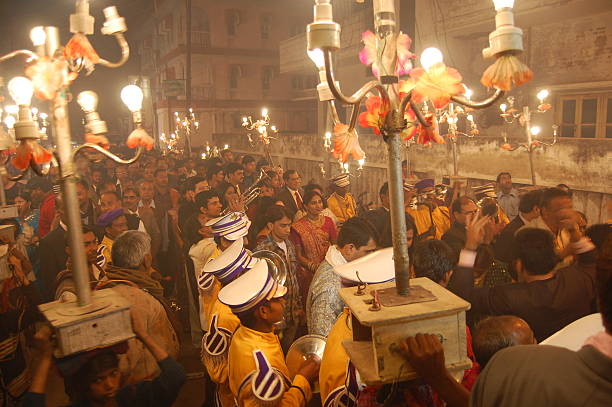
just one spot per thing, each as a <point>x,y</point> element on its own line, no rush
<point>131,198</point>
<point>463,210</point>
<point>291,195</point>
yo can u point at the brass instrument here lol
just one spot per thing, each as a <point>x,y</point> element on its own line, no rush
<point>251,193</point>
<point>301,350</point>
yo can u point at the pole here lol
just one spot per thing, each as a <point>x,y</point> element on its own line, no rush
<point>454,147</point>
<point>398,217</point>
<point>188,74</point>
<point>527,117</point>
<point>61,126</point>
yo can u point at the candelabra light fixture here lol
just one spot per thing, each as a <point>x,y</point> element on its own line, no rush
<point>186,127</point>
<point>49,71</point>
<point>387,51</point>
<point>522,116</point>
<point>261,130</point>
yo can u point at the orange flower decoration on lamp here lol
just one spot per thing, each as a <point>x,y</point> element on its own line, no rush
<point>346,142</point>
<point>139,137</point>
<point>506,70</point>
<point>437,84</point>
<point>375,114</point>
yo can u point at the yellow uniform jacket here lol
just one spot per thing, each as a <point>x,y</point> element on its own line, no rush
<point>442,220</point>
<point>423,221</point>
<point>215,348</point>
<point>344,208</point>
<point>258,374</point>
<point>338,379</point>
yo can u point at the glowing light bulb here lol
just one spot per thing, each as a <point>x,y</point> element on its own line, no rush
<point>361,162</point>
<point>470,117</point>
<point>273,128</point>
<point>430,56</point>
<point>9,121</point>
<point>132,96</point>
<point>38,36</point>
<point>328,135</point>
<point>225,146</point>
<point>543,94</point>
<point>535,130</point>
<point>244,120</point>
<point>43,116</point>
<point>468,92</point>
<point>316,55</point>
<point>264,112</point>
<point>503,107</point>
<point>34,111</point>
<point>21,90</point>
<point>88,101</point>
<point>502,4</point>
<point>11,109</point>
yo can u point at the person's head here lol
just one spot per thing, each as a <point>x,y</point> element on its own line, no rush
<point>82,189</point>
<point>357,238</point>
<point>249,164</point>
<point>464,209</point>
<point>383,194</point>
<point>97,175</point>
<point>266,314</point>
<point>91,245</point>
<point>603,277</point>
<point>161,178</point>
<point>555,206</point>
<point>565,188</point>
<point>313,187</point>
<point>504,182</point>
<point>278,220</point>
<point>234,173</point>
<point>293,180</point>
<point>227,156</point>
<point>228,193</point>
<point>529,204</point>
<point>433,259</point>
<point>495,333</point>
<point>130,199</point>
<point>121,173</point>
<point>275,179</point>
<point>215,175</point>
<point>598,234</point>
<point>23,200</point>
<point>149,173</point>
<point>39,187</point>
<point>132,250</point>
<point>107,185</point>
<point>200,169</point>
<point>536,253</point>
<point>146,190</point>
<point>313,203</point>
<point>411,232</point>
<point>98,381</point>
<point>116,227</point>
<point>109,200</point>
<point>209,203</point>
<point>134,170</point>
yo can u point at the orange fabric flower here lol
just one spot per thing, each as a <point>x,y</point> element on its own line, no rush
<point>506,70</point>
<point>346,143</point>
<point>375,114</point>
<point>139,137</point>
<point>102,141</point>
<point>438,84</point>
<point>369,54</point>
<point>29,150</point>
<point>79,47</point>
<point>48,76</point>
<point>431,134</point>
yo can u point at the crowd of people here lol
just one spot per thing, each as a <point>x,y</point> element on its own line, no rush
<point>239,259</point>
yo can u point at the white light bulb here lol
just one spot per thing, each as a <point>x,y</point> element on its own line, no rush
<point>535,130</point>
<point>470,117</point>
<point>430,56</point>
<point>501,4</point>
<point>38,36</point>
<point>503,107</point>
<point>34,111</point>
<point>468,92</point>
<point>226,146</point>
<point>43,116</point>
<point>543,94</point>
<point>264,112</point>
<point>273,128</point>
<point>244,119</point>
<point>88,101</point>
<point>21,90</point>
<point>316,55</point>
<point>132,96</point>
<point>361,162</point>
<point>9,121</point>
<point>11,109</point>
<point>328,135</point>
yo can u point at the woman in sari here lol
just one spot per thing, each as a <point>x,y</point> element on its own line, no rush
<point>312,235</point>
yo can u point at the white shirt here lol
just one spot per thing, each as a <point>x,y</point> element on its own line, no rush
<point>295,193</point>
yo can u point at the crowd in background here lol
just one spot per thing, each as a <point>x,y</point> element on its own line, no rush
<point>525,260</point>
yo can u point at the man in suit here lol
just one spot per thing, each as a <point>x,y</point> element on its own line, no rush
<point>529,209</point>
<point>463,210</point>
<point>380,218</point>
<point>290,195</point>
<point>52,250</point>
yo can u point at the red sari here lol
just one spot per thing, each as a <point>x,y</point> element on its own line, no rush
<point>314,241</point>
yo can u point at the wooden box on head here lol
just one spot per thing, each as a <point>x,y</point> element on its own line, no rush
<point>374,349</point>
<point>105,322</point>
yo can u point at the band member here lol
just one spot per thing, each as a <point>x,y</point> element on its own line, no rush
<point>422,211</point>
<point>338,379</point>
<point>341,202</point>
<point>258,374</point>
<point>222,322</point>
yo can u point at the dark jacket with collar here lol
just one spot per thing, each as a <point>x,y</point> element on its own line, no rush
<point>455,237</point>
<point>286,197</point>
<point>504,245</point>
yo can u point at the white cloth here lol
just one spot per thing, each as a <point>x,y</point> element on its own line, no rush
<point>334,257</point>
<point>574,335</point>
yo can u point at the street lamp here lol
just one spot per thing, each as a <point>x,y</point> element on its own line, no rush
<point>260,128</point>
<point>187,126</point>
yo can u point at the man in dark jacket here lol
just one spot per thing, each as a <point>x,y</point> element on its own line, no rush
<point>463,210</point>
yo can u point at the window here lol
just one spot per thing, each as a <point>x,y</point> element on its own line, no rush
<point>267,76</point>
<point>586,116</point>
<point>266,24</point>
<point>235,74</point>
<point>233,21</point>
